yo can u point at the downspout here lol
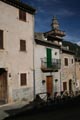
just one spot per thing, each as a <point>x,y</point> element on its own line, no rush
<point>75,74</point>
<point>33,60</point>
<point>61,69</point>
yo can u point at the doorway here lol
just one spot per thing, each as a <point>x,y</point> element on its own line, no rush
<point>70,85</point>
<point>49,84</point>
<point>3,86</point>
<point>64,86</point>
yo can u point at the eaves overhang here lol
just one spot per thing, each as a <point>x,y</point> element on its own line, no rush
<point>47,43</point>
<point>20,5</point>
<point>68,52</point>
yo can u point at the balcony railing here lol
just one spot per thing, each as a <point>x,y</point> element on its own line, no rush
<point>53,65</point>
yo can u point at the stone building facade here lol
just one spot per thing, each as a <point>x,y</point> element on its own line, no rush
<point>77,74</point>
<point>16,51</point>
<point>72,51</point>
<point>47,77</point>
<point>68,70</point>
<point>48,60</point>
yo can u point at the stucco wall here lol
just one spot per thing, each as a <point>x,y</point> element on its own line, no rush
<point>11,57</point>
<point>40,52</point>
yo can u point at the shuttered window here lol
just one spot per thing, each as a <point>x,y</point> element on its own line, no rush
<point>49,57</point>
<point>22,45</point>
<point>23,78</point>
<point>1,39</point>
<point>72,61</point>
<point>22,15</point>
<point>66,61</point>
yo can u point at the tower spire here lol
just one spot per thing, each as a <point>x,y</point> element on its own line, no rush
<point>55,24</point>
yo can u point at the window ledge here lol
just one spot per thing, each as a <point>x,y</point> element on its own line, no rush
<point>2,49</point>
<point>23,51</point>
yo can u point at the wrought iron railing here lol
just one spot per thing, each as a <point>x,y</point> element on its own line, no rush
<point>54,64</point>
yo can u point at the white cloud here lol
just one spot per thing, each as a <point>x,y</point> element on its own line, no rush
<point>58,12</point>
<point>41,10</point>
<point>64,12</point>
<point>78,43</point>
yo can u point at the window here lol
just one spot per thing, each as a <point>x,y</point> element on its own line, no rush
<point>23,79</point>
<point>22,15</point>
<point>22,45</point>
<point>72,61</point>
<point>1,39</point>
<point>49,57</point>
<point>66,61</point>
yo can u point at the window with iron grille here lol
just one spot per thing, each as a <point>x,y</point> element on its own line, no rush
<point>22,45</point>
<point>1,39</point>
<point>22,15</point>
<point>66,61</point>
<point>23,79</point>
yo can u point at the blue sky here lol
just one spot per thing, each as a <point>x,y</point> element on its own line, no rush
<point>67,12</point>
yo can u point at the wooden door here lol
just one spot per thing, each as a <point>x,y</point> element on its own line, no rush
<point>49,84</point>
<point>70,85</point>
<point>3,86</point>
<point>64,86</point>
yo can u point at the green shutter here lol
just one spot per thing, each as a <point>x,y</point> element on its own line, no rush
<point>49,57</point>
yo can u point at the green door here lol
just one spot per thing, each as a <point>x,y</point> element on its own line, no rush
<point>49,57</point>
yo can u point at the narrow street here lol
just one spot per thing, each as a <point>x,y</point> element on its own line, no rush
<point>72,113</point>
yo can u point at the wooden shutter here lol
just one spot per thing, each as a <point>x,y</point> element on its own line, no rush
<point>22,45</point>
<point>72,61</point>
<point>66,61</point>
<point>23,79</point>
<point>1,39</point>
<point>22,15</point>
<point>49,57</point>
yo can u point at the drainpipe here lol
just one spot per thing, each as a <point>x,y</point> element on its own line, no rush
<point>61,68</point>
<point>60,81</point>
<point>75,74</point>
<point>33,60</point>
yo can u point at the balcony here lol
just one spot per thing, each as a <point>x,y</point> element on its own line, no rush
<point>53,66</point>
<point>59,33</point>
<point>55,32</point>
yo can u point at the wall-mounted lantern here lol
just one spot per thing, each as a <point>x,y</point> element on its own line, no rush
<point>43,82</point>
<point>9,74</point>
<point>56,80</point>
